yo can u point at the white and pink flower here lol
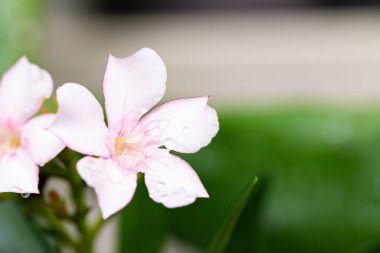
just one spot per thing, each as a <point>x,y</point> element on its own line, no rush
<point>24,142</point>
<point>134,139</point>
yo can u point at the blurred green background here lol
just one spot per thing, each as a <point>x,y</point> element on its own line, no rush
<point>289,177</point>
<point>21,30</point>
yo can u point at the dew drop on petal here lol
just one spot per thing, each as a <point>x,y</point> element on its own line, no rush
<point>160,186</point>
<point>180,193</point>
<point>25,195</point>
<point>83,94</point>
<point>89,167</point>
<point>185,129</point>
<point>114,175</point>
<point>189,197</point>
<point>164,198</point>
<point>163,124</point>
<point>98,174</point>
<point>150,173</point>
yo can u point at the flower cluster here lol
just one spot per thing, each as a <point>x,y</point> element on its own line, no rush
<point>136,138</point>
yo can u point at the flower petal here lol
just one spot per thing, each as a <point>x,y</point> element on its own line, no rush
<point>80,122</point>
<point>172,182</point>
<point>18,173</point>
<point>22,91</point>
<point>114,186</point>
<point>184,125</point>
<point>41,144</point>
<point>131,86</point>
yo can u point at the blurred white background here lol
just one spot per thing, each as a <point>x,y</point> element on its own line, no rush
<point>238,57</point>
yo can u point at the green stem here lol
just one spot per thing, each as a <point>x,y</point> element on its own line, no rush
<point>58,227</point>
<point>66,169</point>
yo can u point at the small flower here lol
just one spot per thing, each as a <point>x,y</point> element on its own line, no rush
<point>133,141</point>
<point>24,142</point>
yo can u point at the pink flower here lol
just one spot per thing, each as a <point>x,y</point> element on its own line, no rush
<point>133,141</point>
<point>24,142</point>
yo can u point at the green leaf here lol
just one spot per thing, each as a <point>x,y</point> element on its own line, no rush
<point>17,234</point>
<point>143,224</point>
<point>223,237</point>
<point>322,168</point>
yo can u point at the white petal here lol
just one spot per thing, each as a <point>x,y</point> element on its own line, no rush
<point>114,186</point>
<point>183,125</point>
<point>41,144</point>
<point>131,86</point>
<point>18,173</point>
<point>172,182</point>
<point>79,122</point>
<point>22,91</point>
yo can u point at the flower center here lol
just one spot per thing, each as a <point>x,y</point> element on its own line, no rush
<point>9,141</point>
<point>129,150</point>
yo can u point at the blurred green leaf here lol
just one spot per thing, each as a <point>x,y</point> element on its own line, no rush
<point>143,224</point>
<point>21,30</point>
<point>17,234</point>
<point>224,234</point>
<point>323,171</point>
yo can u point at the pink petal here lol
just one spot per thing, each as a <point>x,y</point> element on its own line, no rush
<point>18,173</point>
<point>41,144</point>
<point>131,86</point>
<point>114,186</point>
<point>80,122</point>
<point>172,182</point>
<point>22,91</point>
<point>183,125</point>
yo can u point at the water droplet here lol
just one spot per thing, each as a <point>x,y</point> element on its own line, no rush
<point>185,129</point>
<point>98,174</point>
<point>89,167</point>
<point>163,124</point>
<point>150,173</point>
<point>170,144</point>
<point>25,195</point>
<point>114,174</point>
<point>164,198</point>
<point>179,193</point>
<point>160,186</point>
<point>83,94</point>
<point>194,178</point>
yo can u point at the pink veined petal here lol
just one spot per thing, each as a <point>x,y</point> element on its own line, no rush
<point>172,182</point>
<point>114,186</point>
<point>131,86</point>
<point>18,173</point>
<point>22,90</point>
<point>41,144</point>
<point>79,122</point>
<point>184,125</point>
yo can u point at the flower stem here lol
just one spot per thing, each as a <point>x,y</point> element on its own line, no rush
<point>65,169</point>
